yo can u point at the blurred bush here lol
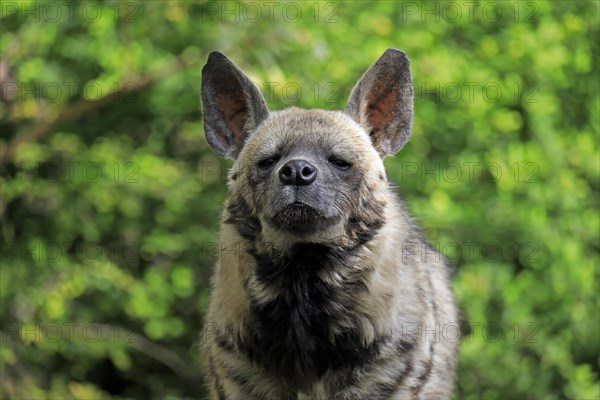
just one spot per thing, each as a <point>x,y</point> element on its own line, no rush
<point>110,195</point>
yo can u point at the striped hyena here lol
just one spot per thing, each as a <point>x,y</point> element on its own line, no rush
<point>325,287</point>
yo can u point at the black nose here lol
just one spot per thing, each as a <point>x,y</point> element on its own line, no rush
<point>297,172</point>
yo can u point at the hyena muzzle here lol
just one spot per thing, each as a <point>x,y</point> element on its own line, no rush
<point>324,288</point>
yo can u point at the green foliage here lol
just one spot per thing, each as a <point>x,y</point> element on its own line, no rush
<point>110,195</point>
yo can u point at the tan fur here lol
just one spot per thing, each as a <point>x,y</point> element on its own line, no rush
<point>388,310</point>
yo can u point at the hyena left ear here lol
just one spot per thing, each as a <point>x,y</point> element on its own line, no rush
<point>232,105</point>
<point>382,102</point>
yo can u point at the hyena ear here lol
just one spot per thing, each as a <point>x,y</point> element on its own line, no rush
<point>232,105</point>
<point>382,102</point>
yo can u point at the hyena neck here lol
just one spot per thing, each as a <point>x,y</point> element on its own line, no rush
<point>304,310</point>
<point>294,336</point>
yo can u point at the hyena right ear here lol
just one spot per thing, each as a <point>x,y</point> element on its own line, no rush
<point>232,105</point>
<point>382,102</point>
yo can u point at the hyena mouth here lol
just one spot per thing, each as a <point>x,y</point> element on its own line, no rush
<point>302,219</point>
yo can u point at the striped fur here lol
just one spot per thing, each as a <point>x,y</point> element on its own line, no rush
<point>327,289</point>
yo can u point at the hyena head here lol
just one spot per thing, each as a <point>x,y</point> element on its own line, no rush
<point>308,175</point>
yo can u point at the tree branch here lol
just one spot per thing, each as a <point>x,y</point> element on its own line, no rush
<point>84,107</point>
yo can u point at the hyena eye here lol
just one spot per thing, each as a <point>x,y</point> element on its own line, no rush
<point>341,164</point>
<point>268,162</point>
